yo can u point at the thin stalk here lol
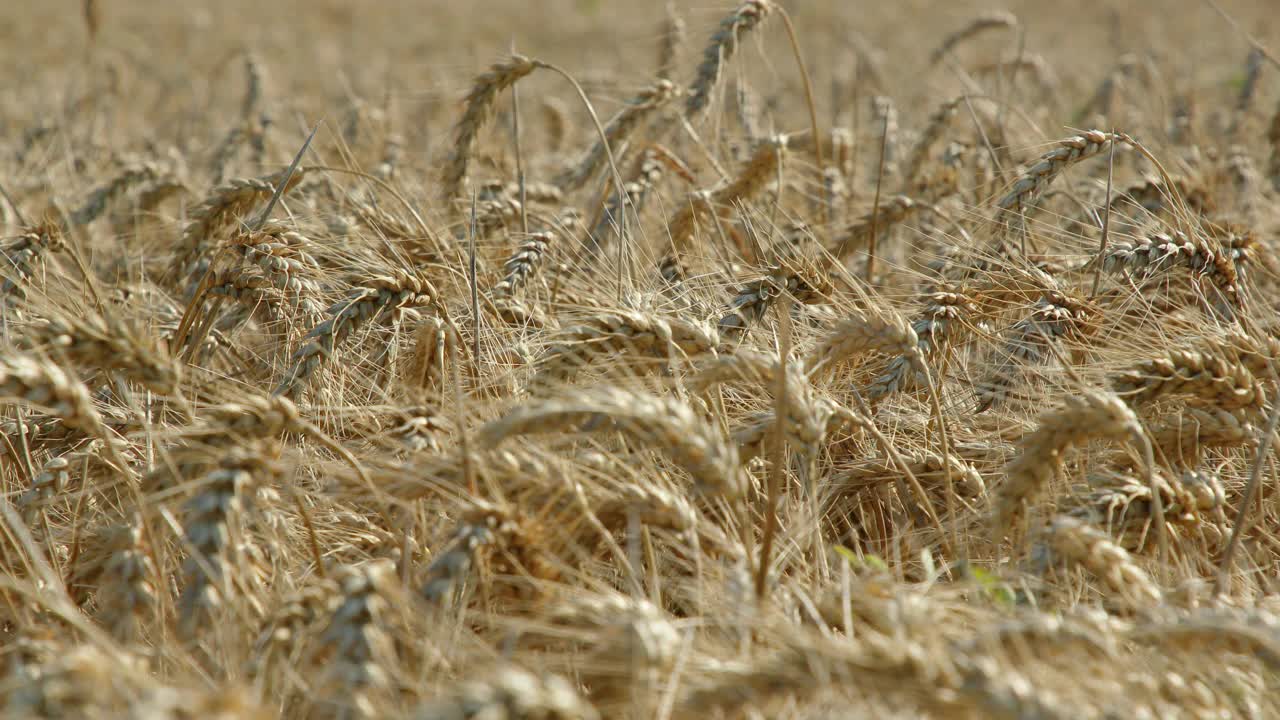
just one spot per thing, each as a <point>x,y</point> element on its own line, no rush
<point>808,98</point>
<point>464,437</point>
<point>1255,478</point>
<point>475,293</point>
<point>875,206</point>
<point>778,450</point>
<point>624,254</point>
<point>1106,220</point>
<point>944,436</point>
<point>515,130</point>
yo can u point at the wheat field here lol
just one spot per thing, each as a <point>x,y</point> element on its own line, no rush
<point>588,359</point>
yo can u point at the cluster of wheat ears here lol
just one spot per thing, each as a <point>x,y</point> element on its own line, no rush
<point>654,413</point>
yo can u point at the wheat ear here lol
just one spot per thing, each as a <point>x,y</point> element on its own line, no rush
<point>20,255</point>
<point>671,47</point>
<point>1086,415</point>
<point>630,333</point>
<point>479,104</point>
<point>665,424</point>
<point>759,170</point>
<point>866,332</point>
<point>1078,542</point>
<point>384,293</point>
<point>512,693</point>
<point>983,23</point>
<point>638,109</point>
<point>720,50</point>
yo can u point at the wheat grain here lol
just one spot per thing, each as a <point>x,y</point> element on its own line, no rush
<point>102,198</point>
<point>866,332</point>
<point>42,384</point>
<point>891,212</point>
<point>947,318</point>
<point>1209,378</point>
<point>932,133</point>
<point>1255,634</point>
<point>106,343</point>
<point>753,299</point>
<point>355,643</point>
<point>523,264</point>
<point>225,204</point>
<point>671,46</point>
<point>758,171</point>
<point>128,594</point>
<point>1035,341</point>
<point>1123,506</point>
<point>214,533</point>
<point>1019,200</point>
<point>624,333</point>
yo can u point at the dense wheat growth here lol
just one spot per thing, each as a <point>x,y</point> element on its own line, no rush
<point>591,359</point>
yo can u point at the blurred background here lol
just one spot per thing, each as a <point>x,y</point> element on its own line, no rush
<point>181,59</point>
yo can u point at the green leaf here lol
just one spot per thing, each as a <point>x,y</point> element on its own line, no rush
<point>866,561</point>
<point>998,591</point>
